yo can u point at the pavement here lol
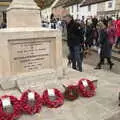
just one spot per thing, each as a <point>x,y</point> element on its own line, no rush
<point>103,106</point>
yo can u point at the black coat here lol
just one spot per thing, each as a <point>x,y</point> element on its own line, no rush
<point>89,34</point>
<point>106,47</point>
<point>74,34</point>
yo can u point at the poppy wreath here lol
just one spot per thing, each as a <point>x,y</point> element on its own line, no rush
<point>16,109</point>
<point>59,101</point>
<point>88,91</point>
<point>71,92</point>
<point>26,107</point>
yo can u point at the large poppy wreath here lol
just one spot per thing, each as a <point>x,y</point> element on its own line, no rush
<point>31,108</point>
<point>71,92</point>
<point>16,108</point>
<point>86,88</point>
<point>57,102</point>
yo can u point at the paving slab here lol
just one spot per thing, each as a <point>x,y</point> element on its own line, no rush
<point>103,106</point>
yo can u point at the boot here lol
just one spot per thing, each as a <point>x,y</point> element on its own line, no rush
<point>111,65</point>
<point>97,67</point>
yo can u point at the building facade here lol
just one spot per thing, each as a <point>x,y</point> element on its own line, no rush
<point>108,8</point>
<point>46,13</point>
<point>100,8</point>
<point>59,10</point>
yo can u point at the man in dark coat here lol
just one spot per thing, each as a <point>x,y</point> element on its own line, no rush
<point>74,40</point>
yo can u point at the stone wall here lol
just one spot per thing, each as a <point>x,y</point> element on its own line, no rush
<point>29,49</point>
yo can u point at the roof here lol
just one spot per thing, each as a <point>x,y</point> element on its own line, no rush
<point>66,3</point>
<point>60,3</point>
<point>72,2</point>
<point>89,2</point>
<point>44,3</point>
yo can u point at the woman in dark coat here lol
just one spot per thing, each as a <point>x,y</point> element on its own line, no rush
<point>106,47</point>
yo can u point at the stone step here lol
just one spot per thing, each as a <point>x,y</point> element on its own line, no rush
<point>103,106</point>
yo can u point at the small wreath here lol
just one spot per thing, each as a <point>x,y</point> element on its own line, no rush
<point>71,92</point>
<point>59,100</point>
<point>16,112</point>
<point>28,108</point>
<point>86,91</point>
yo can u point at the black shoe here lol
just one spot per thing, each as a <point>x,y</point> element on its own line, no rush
<point>97,68</point>
<point>80,70</point>
<point>111,65</point>
<point>74,68</point>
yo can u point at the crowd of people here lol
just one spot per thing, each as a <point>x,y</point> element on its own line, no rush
<point>83,35</point>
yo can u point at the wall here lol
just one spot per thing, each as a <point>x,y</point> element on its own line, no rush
<point>46,13</point>
<point>74,11</point>
<point>20,57</point>
<point>60,12</point>
<point>112,2</point>
<point>85,12</point>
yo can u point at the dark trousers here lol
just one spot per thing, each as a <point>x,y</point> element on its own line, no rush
<point>76,57</point>
<point>102,60</point>
<point>118,41</point>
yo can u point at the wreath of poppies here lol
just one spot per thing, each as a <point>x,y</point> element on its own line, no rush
<point>16,109</point>
<point>26,107</point>
<point>59,101</point>
<point>71,92</point>
<point>88,91</point>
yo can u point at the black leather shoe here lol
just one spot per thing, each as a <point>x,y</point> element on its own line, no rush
<point>97,68</point>
<point>111,65</point>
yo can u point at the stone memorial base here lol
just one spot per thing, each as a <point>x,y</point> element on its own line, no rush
<point>29,52</point>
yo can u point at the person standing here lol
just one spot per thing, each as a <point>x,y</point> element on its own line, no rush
<point>74,40</point>
<point>118,33</point>
<point>53,22</point>
<point>88,35</point>
<point>107,38</point>
<point>95,36</point>
<point>94,22</point>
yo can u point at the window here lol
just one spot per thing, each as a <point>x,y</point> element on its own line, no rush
<point>72,9</point>
<point>77,7</point>
<point>89,8</point>
<point>110,4</point>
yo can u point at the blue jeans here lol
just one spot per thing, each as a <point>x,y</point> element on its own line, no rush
<point>76,57</point>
